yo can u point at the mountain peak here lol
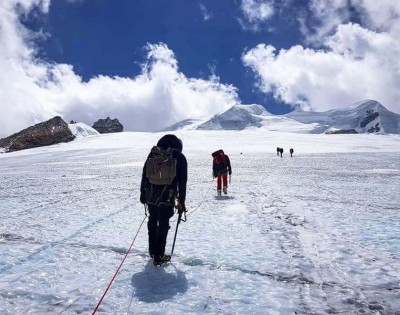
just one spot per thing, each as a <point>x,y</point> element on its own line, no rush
<point>368,105</point>
<point>254,109</point>
<point>238,117</point>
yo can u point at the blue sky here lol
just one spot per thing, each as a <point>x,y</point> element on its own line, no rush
<point>108,37</point>
<point>153,63</point>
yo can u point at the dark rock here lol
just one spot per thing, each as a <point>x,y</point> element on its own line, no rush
<point>374,129</point>
<point>371,116</point>
<point>46,133</point>
<point>342,131</point>
<point>108,125</point>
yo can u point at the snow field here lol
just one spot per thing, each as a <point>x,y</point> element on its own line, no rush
<point>313,234</point>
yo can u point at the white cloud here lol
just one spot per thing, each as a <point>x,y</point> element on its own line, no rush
<point>157,98</point>
<point>378,16</point>
<point>354,62</point>
<point>205,12</point>
<point>256,12</point>
<point>33,90</point>
<point>381,15</point>
<point>326,16</point>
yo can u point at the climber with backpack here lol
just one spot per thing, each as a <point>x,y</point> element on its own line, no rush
<point>162,188</point>
<point>221,169</point>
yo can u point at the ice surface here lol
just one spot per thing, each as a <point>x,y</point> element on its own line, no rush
<point>318,233</point>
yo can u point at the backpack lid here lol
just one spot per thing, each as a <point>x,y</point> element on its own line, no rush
<point>214,154</point>
<point>219,159</point>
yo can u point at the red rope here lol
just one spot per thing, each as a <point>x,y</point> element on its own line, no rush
<point>123,260</point>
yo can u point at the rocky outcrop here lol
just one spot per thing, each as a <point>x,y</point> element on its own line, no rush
<point>370,116</point>
<point>341,132</point>
<point>46,133</point>
<point>108,125</point>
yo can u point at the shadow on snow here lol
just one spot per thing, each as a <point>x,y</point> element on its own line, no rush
<point>155,284</point>
<point>224,197</point>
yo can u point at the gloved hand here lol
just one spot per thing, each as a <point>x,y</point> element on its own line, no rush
<point>230,173</point>
<point>143,198</point>
<point>181,207</point>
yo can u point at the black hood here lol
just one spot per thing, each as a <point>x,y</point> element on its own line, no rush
<point>170,141</point>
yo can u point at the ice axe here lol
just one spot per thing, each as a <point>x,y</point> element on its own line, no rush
<point>180,212</point>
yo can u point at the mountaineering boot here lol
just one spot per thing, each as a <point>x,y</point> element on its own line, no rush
<point>219,192</point>
<point>225,191</point>
<point>151,251</point>
<point>161,260</point>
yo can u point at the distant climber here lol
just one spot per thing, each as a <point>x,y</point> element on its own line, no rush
<point>221,169</point>
<point>291,152</point>
<point>281,151</point>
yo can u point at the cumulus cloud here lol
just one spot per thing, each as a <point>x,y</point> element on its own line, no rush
<point>322,18</point>
<point>327,15</point>
<point>157,98</point>
<point>381,15</point>
<point>34,90</point>
<point>256,13</point>
<point>354,62</point>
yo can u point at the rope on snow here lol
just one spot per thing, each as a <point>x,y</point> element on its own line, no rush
<point>115,274</point>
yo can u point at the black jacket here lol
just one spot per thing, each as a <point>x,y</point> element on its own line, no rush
<point>179,182</point>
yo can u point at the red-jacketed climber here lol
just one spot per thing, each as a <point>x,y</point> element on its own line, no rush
<point>221,169</point>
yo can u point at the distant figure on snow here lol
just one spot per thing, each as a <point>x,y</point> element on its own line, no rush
<point>163,185</point>
<point>291,152</point>
<point>280,151</point>
<point>221,168</point>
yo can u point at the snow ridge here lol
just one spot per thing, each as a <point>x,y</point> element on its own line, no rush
<point>367,116</point>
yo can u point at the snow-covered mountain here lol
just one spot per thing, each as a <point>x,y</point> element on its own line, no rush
<point>363,117</point>
<point>82,130</point>
<point>237,118</point>
<point>187,124</point>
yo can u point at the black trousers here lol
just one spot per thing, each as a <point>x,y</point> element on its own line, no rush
<point>158,226</point>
